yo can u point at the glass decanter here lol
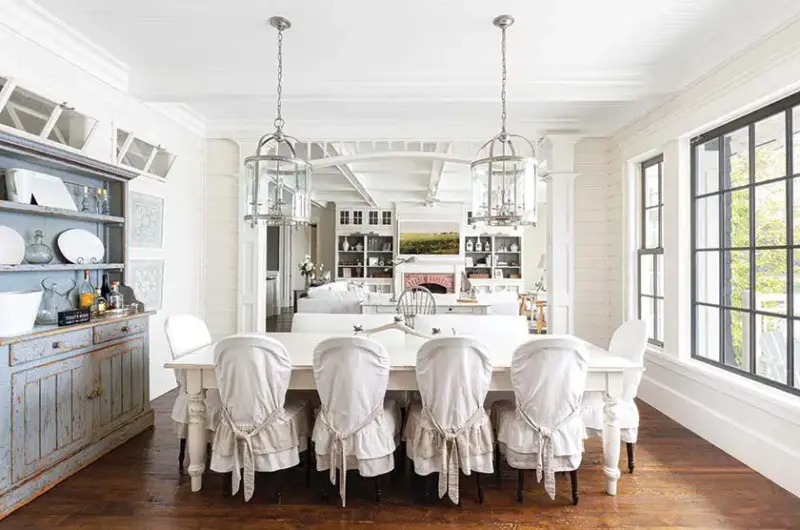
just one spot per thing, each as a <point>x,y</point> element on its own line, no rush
<point>54,299</point>
<point>37,253</point>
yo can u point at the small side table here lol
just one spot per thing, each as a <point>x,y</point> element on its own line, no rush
<point>298,293</point>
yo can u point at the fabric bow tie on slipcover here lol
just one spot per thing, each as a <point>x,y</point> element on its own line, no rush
<point>246,436</point>
<point>337,448</point>
<point>544,453</point>
<point>451,454</point>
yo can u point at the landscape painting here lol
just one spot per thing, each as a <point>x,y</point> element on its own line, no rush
<point>429,237</point>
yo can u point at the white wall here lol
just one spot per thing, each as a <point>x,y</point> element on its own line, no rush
<point>534,245</point>
<point>66,68</point>
<point>756,424</point>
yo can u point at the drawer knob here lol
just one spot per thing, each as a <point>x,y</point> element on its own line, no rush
<point>450,309</point>
<point>56,345</point>
<point>124,329</point>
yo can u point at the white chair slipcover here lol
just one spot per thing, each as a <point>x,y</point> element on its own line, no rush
<point>544,429</point>
<point>629,341</point>
<point>450,430</point>
<point>355,428</point>
<point>258,429</point>
<point>187,333</point>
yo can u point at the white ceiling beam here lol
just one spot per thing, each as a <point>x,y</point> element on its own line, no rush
<point>351,177</point>
<point>436,173</point>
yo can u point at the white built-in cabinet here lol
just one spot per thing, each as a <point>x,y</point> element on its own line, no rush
<point>369,248</point>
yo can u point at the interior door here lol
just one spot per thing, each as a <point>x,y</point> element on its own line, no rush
<point>51,414</point>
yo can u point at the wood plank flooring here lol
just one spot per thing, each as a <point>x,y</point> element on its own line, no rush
<point>681,481</point>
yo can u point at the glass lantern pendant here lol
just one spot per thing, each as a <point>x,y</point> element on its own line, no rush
<point>504,172</point>
<point>278,182</point>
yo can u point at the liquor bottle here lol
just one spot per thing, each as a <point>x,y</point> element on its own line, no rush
<point>99,307</point>
<point>115,300</point>
<point>85,292</point>
<point>106,288</point>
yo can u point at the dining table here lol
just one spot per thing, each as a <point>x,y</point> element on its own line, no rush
<point>605,375</point>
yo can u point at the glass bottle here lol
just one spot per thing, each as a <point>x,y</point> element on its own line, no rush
<point>104,206</point>
<point>99,307</point>
<point>98,201</point>
<point>85,292</point>
<point>37,253</point>
<point>105,290</point>
<point>86,203</point>
<point>115,300</point>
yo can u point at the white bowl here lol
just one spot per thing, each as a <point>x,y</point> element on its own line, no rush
<point>18,311</point>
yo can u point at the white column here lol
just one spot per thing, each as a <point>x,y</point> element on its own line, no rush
<point>560,177</point>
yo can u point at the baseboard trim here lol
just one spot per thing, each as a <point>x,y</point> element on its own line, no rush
<point>21,494</point>
<point>765,455</point>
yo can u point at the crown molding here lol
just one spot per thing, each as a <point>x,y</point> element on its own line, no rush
<point>183,115</point>
<point>30,21</point>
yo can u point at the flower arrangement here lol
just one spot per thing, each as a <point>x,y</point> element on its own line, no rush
<point>308,269</point>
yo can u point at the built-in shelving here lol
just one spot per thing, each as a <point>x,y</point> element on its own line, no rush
<point>485,262</point>
<point>62,267</point>
<point>59,213</point>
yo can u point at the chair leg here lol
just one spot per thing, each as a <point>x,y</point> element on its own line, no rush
<point>226,484</point>
<point>480,488</point>
<point>573,475</point>
<point>278,485</point>
<point>181,455</point>
<point>378,488</point>
<point>309,462</point>
<point>520,484</point>
<point>631,449</point>
<point>497,463</point>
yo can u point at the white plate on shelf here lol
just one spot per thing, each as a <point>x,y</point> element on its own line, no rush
<point>12,246</point>
<point>80,246</point>
<point>51,191</point>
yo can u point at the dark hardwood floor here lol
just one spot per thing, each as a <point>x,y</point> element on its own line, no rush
<point>681,481</point>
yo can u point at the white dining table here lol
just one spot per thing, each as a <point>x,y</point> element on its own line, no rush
<point>605,375</point>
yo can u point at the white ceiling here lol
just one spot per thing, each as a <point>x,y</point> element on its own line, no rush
<point>418,69</point>
<point>360,65</point>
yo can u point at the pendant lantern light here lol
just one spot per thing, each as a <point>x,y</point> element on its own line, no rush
<point>278,181</point>
<point>504,172</point>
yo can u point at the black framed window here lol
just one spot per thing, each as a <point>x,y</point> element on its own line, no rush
<point>651,250</point>
<point>745,241</point>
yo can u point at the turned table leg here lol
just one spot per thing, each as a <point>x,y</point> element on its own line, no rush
<point>197,427</point>
<point>611,441</point>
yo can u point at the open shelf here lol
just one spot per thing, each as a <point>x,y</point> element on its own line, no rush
<point>60,213</point>
<point>62,267</point>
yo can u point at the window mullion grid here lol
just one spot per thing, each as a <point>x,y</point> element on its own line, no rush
<point>751,143</point>
<point>790,344</point>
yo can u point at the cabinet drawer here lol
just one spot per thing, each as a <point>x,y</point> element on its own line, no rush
<point>41,348</point>
<point>118,330</point>
<point>456,310</point>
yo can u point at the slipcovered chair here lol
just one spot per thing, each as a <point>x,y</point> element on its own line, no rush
<point>450,430</point>
<point>356,428</point>
<point>258,429</point>
<point>185,334</point>
<point>629,341</point>
<point>543,429</point>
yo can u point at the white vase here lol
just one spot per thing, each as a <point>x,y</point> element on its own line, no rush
<point>469,245</point>
<point>487,247</point>
<point>345,246</point>
<point>514,247</point>
<point>478,246</point>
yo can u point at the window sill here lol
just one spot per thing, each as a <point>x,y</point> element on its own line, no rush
<point>771,400</point>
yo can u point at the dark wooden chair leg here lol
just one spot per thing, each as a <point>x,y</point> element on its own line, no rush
<point>573,475</point>
<point>480,488</point>
<point>181,455</point>
<point>520,484</point>
<point>278,485</point>
<point>631,449</point>
<point>497,463</point>
<point>226,484</point>
<point>378,488</point>
<point>309,463</point>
